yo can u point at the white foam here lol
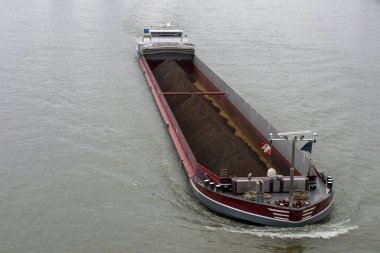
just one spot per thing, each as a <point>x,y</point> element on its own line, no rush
<point>324,231</point>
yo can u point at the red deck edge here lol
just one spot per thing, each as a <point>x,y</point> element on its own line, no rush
<point>210,93</point>
<point>183,149</point>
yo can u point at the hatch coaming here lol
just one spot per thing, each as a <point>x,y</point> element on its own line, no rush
<point>247,118</point>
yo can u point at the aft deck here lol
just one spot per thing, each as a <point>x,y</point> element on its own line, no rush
<point>277,199</point>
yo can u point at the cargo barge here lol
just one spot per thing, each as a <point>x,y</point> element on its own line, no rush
<point>237,163</point>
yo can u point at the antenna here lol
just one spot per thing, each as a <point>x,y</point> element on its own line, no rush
<point>293,137</point>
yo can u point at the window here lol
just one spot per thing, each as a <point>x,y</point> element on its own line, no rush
<point>166,34</point>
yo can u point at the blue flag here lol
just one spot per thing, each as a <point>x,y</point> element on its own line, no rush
<point>308,146</point>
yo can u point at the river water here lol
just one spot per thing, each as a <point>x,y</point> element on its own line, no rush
<point>86,164</point>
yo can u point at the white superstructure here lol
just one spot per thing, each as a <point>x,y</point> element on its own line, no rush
<point>165,39</point>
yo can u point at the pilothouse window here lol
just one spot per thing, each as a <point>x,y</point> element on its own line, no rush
<point>166,34</point>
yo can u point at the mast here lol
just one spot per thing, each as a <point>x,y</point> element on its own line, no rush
<point>293,137</point>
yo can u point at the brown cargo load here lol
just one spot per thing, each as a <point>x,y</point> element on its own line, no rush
<point>211,139</point>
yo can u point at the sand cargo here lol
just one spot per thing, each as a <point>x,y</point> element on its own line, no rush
<point>237,163</point>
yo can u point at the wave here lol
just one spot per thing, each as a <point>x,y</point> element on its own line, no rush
<point>318,231</point>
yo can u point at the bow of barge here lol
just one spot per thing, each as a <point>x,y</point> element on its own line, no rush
<point>218,138</point>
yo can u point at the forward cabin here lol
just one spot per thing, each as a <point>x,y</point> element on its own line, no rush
<point>164,42</point>
<point>234,164</point>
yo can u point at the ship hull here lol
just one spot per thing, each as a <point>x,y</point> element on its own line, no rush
<point>224,204</point>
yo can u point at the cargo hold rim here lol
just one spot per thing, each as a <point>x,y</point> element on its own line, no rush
<point>215,83</point>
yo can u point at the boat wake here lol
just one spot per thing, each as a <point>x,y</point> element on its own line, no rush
<point>324,231</point>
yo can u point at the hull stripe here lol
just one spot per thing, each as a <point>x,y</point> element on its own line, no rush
<point>278,211</point>
<point>307,214</point>
<point>310,209</point>
<point>280,214</point>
